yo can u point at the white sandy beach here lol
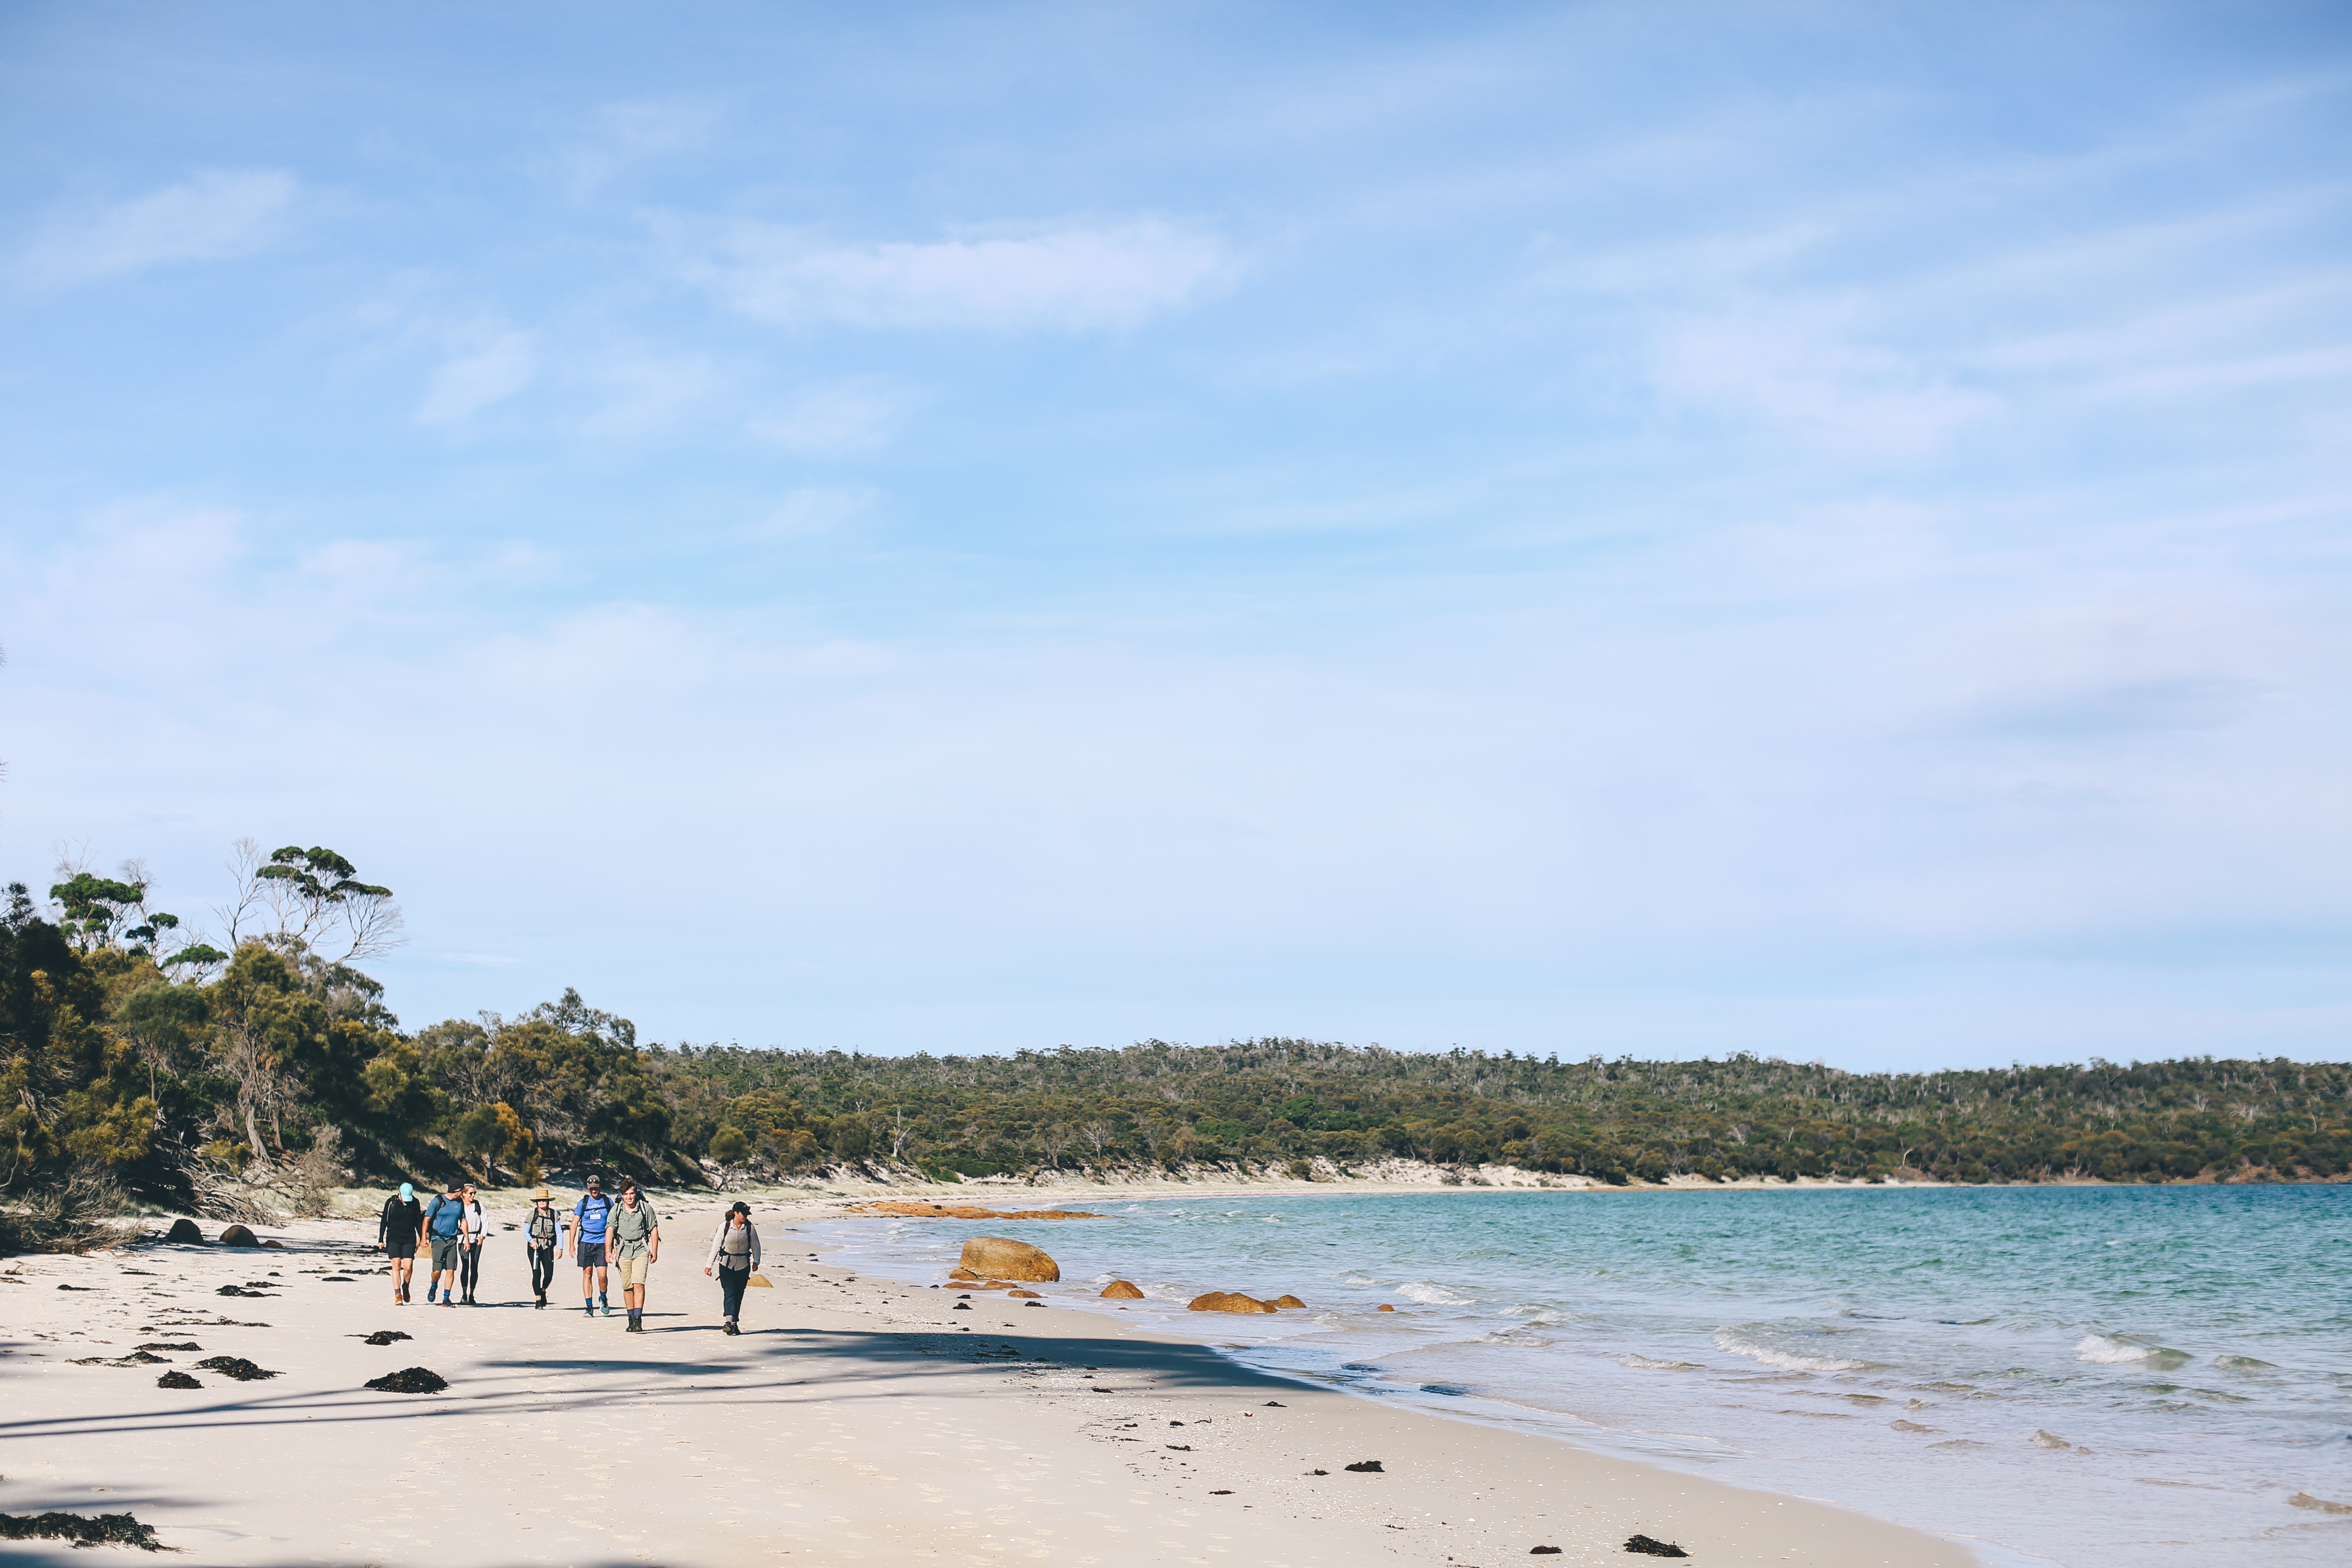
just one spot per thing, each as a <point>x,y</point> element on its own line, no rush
<point>856,1420</point>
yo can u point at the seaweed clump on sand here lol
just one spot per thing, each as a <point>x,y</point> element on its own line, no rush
<point>106,1529</point>
<point>236,1366</point>
<point>168,1345</point>
<point>409,1380</point>
<point>382,1337</point>
<point>1644,1546</point>
<point>177,1380</point>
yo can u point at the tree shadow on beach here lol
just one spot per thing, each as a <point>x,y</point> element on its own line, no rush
<point>765,1366</point>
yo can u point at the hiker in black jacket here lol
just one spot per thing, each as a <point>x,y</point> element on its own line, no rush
<point>396,1232</point>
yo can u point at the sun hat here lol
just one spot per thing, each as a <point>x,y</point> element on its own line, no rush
<point>543,1196</point>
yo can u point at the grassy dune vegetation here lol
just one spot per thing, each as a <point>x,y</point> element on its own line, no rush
<point>260,1077</point>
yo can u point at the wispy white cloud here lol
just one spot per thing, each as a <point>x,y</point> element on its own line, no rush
<point>621,136</point>
<point>491,363</point>
<point>1800,374</point>
<point>215,215</point>
<point>1077,279</point>
<point>814,510</point>
<point>644,390</point>
<point>857,415</point>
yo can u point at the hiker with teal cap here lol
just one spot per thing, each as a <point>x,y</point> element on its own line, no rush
<point>396,1232</point>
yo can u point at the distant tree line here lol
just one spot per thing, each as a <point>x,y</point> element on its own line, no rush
<point>167,1066</point>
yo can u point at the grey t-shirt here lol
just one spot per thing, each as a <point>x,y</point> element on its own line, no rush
<point>631,1226</point>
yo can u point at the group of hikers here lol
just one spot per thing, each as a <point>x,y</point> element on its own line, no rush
<point>605,1235</point>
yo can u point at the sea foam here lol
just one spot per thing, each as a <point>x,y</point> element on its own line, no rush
<point>1738,1343</point>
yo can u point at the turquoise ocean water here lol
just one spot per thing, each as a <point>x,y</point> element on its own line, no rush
<point>2105,1377</point>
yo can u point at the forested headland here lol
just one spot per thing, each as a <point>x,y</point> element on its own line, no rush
<point>139,1064</point>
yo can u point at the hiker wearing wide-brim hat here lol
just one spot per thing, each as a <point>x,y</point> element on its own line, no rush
<point>734,1254</point>
<point>540,1236</point>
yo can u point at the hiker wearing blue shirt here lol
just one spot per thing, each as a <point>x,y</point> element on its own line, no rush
<point>445,1225</point>
<point>591,1217</point>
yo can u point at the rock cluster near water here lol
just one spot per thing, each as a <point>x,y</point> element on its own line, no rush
<point>999,1263</point>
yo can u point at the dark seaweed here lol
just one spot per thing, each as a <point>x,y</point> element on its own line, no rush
<point>1370,1467</point>
<point>106,1529</point>
<point>410,1380</point>
<point>1647,1547</point>
<point>177,1380</point>
<point>236,1367</point>
<point>384,1336</point>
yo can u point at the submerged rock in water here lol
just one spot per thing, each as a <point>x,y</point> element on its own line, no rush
<point>409,1380</point>
<point>183,1232</point>
<point>1002,1257</point>
<point>1122,1291</point>
<point>1226,1301</point>
<point>239,1235</point>
<point>1286,1302</point>
<point>1644,1546</point>
<point>236,1366</point>
<point>177,1380</point>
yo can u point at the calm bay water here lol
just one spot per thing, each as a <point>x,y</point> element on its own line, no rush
<point>2107,1377</point>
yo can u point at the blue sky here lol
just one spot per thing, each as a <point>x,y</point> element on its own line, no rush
<point>1672,529</point>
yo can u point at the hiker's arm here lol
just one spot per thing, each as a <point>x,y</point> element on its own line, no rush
<point>652,1243</point>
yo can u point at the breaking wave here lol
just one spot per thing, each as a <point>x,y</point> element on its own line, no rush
<point>1430,1293</point>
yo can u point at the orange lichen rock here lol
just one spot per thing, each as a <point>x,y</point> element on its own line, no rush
<point>1122,1291</point>
<point>1024,1295</point>
<point>1228,1301</point>
<point>1386,1308</point>
<point>1002,1257</point>
<point>961,1273</point>
<point>909,1208</point>
<point>1286,1302</point>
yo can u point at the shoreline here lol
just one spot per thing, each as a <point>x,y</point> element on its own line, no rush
<point>856,1420</point>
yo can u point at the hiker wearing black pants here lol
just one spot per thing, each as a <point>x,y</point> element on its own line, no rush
<point>734,1254</point>
<point>541,1233</point>
<point>470,1248</point>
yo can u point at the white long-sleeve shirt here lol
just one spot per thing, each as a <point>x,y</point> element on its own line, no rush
<point>718,1244</point>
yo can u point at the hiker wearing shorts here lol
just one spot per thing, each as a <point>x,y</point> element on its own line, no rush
<point>590,1217</point>
<point>734,1253</point>
<point>636,1246</point>
<point>396,1232</point>
<point>445,1227</point>
<point>541,1235</point>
